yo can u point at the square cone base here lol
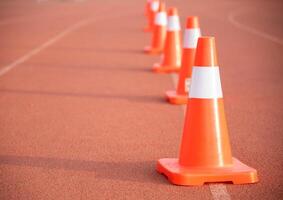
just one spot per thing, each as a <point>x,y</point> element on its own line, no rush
<point>152,51</point>
<point>238,173</point>
<point>177,99</point>
<point>158,68</point>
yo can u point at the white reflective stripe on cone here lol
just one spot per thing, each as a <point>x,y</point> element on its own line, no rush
<point>173,23</point>
<point>154,6</point>
<point>191,38</point>
<point>161,19</point>
<point>206,83</point>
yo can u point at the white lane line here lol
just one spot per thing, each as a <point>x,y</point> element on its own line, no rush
<point>40,48</point>
<point>218,191</point>
<point>232,19</point>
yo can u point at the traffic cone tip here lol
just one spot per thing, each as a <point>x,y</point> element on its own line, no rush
<point>206,54</point>
<point>172,11</point>
<point>192,22</point>
<point>161,7</point>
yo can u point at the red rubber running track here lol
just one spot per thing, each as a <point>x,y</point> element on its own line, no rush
<point>82,116</point>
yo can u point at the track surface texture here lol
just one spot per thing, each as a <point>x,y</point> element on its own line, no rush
<point>82,116</point>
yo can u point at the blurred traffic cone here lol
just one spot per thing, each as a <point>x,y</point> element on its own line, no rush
<point>171,58</point>
<point>147,7</point>
<point>192,33</point>
<point>205,154</point>
<point>154,5</point>
<point>159,32</point>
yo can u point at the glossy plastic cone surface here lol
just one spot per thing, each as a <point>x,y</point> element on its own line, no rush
<point>171,58</point>
<point>192,33</point>
<point>205,153</point>
<point>153,8</point>
<point>159,32</point>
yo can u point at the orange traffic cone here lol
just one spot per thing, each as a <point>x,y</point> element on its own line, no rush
<point>147,7</point>
<point>192,33</point>
<point>205,154</point>
<point>159,32</point>
<point>154,5</point>
<point>171,58</point>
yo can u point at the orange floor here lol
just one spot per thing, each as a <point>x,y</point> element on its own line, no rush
<point>83,117</point>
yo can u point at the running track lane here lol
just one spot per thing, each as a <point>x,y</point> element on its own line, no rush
<point>64,147</point>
